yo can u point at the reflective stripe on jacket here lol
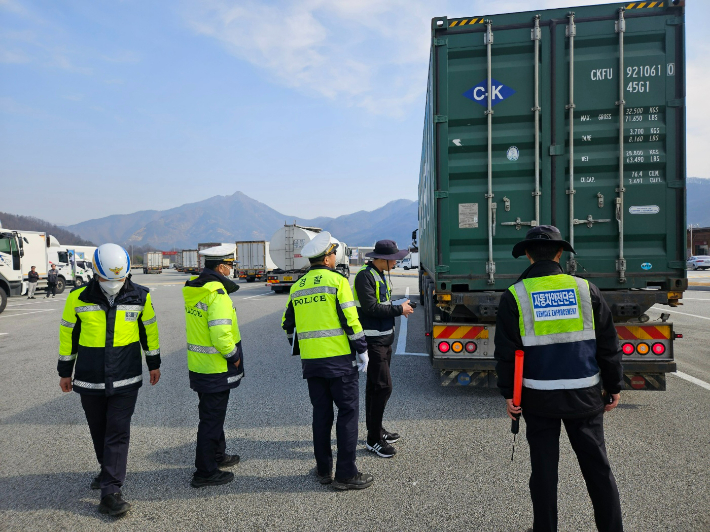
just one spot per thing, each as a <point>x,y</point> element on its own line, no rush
<point>321,311</point>
<point>101,344</point>
<point>213,338</point>
<point>557,330</point>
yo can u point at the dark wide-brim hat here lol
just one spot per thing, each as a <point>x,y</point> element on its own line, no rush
<point>387,250</point>
<point>541,233</point>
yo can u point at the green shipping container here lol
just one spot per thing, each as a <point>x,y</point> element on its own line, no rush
<point>570,117</point>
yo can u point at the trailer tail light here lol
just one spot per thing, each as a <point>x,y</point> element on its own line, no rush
<point>457,347</point>
<point>643,349</point>
<point>471,347</point>
<point>444,347</point>
<point>659,349</point>
<point>628,349</point>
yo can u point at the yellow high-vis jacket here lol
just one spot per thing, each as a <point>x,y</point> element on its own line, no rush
<point>101,344</point>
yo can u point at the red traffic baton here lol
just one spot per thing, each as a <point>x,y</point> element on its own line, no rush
<point>517,388</point>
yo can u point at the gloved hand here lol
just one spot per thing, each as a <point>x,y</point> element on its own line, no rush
<point>362,361</point>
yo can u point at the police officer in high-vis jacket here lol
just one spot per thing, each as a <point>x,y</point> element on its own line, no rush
<point>106,326</point>
<point>214,359</point>
<point>373,299</point>
<point>322,326</point>
<point>571,352</point>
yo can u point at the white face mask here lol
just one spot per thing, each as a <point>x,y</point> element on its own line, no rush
<point>111,288</point>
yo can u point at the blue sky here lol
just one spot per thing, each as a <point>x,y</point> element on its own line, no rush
<point>313,107</point>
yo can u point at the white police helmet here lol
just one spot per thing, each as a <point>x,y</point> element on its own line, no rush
<point>111,262</point>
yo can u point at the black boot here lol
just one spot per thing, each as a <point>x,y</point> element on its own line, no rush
<point>113,504</point>
<point>358,482</point>
<point>228,460</point>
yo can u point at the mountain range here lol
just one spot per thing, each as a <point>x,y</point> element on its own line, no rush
<point>239,217</point>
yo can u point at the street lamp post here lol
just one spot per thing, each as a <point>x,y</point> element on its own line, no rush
<point>690,226</point>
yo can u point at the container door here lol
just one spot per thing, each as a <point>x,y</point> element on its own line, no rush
<point>475,237</point>
<point>618,182</point>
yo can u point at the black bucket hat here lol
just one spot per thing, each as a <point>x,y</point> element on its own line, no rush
<point>387,250</point>
<point>542,233</point>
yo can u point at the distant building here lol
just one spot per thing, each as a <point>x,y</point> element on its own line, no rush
<point>700,242</point>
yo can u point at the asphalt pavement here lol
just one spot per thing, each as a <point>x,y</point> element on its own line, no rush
<point>452,470</point>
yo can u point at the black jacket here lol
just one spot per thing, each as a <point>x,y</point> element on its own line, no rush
<point>52,276</point>
<point>373,314</point>
<point>96,364</point>
<point>32,277</point>
<point>582,402</point>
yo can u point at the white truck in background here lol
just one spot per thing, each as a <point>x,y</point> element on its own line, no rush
<point>190,261</point>
<point>285,250</point>
<point>153,262</point>
<point>253,260</point>
<point>80,263</point>
<point>205,245</point>
<point>19,251</point>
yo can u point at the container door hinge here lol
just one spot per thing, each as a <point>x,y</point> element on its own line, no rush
<point>440,118</point>
<point>677,264</point>
<point>441,194</point>
<point>557,149</point>
<point>442,268</point>
<point>440,42</point>
<point>674,21</point>
<point>678,102</point>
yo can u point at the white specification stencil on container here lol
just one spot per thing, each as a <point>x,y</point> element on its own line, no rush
<point>644,209</point>
<point>468,215</point>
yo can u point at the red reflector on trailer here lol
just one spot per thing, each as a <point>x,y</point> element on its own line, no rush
<point>638,382</point>
<point>628,349</point>
<point>444,347</point>
<point>471,347</point>
<point>659,349</point>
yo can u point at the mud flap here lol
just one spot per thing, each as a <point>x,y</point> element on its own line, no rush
<point>473,379</point>
<point>645,381</point>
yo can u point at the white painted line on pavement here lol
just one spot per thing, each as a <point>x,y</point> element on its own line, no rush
<point>692,379</point>
<point>697,298</point>
<point>257,295</point>
<point>3,334</point>
<point>26,313</point>
<point>40,302</point>
<point>685,314</point>
<point>402,338</point>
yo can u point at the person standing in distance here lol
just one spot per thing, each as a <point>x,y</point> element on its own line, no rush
<point>52,276</point>
<point>322,326</point>
<point>105,325</point>
<point>571,349</point>
<point>214,359</point>
<point>32,279</point>
<point>373,299</point>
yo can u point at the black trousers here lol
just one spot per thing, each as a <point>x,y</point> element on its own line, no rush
<point>51,288</point>
<point>109,421</point>
<point>211,444</point>
<point>378,389</point>
<point>345,393</point>
<point>587,438</point>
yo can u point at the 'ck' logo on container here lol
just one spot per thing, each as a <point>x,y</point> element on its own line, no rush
<point>479,93</point>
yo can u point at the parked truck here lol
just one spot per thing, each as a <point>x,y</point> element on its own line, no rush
<point>285,250</point>
<point>19,251</point>
<point>153,262</point>
<point>206,245</point>
<point>80,264</point>
<point>570,117</point>
<point>253,260</point>
<point>190,262</point>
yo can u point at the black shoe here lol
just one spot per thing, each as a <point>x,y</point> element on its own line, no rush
<point>96,483</point>
<point>381,448</point>
<point>229,460</point>
<point>217,479</point>
<point>358,482</point>
<point>390,437</point>
<point>323,479</point>
<point>113,504</point>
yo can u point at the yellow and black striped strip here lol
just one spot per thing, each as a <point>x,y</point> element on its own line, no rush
<point>466,21</point>
<point>642,5</point>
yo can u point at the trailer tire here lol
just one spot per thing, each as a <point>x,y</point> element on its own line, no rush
<point>3,299</point>
<point>250,279</point>
<point>61,284</point>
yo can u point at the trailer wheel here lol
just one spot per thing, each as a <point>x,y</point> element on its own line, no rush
<point>61,284</point>
<point>3,299</point>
